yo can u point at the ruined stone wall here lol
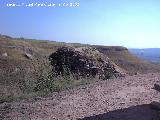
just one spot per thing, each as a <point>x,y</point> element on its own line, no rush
<point>82,62</point>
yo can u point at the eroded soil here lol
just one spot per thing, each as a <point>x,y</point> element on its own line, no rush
<point>119,99</point>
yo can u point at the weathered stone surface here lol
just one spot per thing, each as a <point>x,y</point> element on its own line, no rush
<point>157,87</point>
<point>83,62</point>
<point>4,54</point>
<point>29,56</point>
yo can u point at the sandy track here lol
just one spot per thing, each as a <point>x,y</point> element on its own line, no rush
<point>123,98</point>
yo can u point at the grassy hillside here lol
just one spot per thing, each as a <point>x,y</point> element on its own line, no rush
<point>20,74</point>
<point>128,61</point>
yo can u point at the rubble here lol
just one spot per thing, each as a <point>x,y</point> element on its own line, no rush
<point>83,62</point>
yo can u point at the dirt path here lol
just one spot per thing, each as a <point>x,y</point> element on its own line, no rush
<point>120,99</point>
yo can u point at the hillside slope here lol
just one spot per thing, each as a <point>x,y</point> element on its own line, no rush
<point>24,61</point>
<point>119,99</point>
<point>128,61</point>
<point>17,48</point>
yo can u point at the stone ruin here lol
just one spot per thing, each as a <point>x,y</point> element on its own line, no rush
<point>83,62</point>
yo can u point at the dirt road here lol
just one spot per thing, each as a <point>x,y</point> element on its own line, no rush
<point>119,99</point>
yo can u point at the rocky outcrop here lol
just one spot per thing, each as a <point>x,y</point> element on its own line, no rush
<point>84,62</point>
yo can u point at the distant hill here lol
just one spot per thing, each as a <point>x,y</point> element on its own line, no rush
<point>148,54</point>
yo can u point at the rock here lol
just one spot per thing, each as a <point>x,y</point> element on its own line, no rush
<point>136,73</point>
<point>29,56</point>
<point>4,54</point>
<point>83,62</point>
<point>157,87</point>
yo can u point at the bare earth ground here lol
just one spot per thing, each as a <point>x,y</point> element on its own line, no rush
<point>119,99</point>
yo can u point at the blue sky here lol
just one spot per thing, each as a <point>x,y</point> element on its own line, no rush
<point>129,23</point>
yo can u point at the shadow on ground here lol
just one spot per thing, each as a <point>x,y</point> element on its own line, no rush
<point>141,112</point>
<point>156,87</point>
